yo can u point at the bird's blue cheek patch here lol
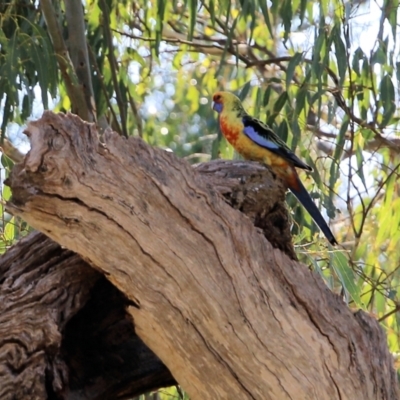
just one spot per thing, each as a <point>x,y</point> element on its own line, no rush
<point>217,107</point>
<point>251,133</point>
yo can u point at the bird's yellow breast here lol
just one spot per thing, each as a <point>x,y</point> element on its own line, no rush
<point>248,149</point>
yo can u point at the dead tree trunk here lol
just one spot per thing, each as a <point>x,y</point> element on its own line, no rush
<point>227,313</point>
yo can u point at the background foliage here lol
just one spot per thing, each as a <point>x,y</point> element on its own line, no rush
<point>324,74</point>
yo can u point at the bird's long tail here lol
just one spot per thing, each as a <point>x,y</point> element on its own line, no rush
<point>305,199</point>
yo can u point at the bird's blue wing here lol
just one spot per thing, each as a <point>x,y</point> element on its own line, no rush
<point>265,137</point>
<point>262,141</point>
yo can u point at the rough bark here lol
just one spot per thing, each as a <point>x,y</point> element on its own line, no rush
<point>96,353</point>
<point>226,312</point>
<point>64,330</point>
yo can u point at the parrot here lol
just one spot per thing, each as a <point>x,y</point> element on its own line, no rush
<point>256,141</point>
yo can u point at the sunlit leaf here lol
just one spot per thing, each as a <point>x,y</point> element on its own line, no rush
<point>340,51</point>
<point>9,231</point>
<point>245,91</point>
<point>360,165</point>
<point>334,174</point>
<point>387,99</point>
<point>286,14</point>
<point>340,264</point>
<point>293,63</point>
<point>192,21</point>
<point>279,104</point>
<point>264,9</point>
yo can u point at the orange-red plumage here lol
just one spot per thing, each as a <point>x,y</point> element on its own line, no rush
<point>230,132</point>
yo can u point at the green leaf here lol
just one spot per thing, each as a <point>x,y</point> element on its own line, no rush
<point>212,12</point>
<point>9,230</point>
<point>282,99</point>
<point>303,7</point>
<point>340,141</point>
<point>301,100</point>
<point>12,60</point>
<point>296,131</point>
<point>340,265</point>
<point>245,91</point>
<point>228,41</point>
<point>387,98</point>
<point>314,173</point>
<point>7,114</point>
<point>341,54</point>
<point>26,107</point>
<point>360,164</point>
<point>259,99</point>
<point>379,56</point>
<point>161,5</point>
<point>264,10</point>
<point>267,95</point>
<point>317,50</point>
<point>390,8</point>
<point>41,68</point>
<point>283,130</point>
<point>192,20</point>
<point>249,11</point>
<point>6,193</point>
<point>380,302</point>
<point>357,57</point>
<point>293,63</point>
<point>286,13</point>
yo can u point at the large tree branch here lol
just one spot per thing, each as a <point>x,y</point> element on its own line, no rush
<point>97,350</point>
<point>64,331</point>
<point>225,311</point>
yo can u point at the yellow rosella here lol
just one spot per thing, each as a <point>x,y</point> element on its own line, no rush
<point>255,141</point>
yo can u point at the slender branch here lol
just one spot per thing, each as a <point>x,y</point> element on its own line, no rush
<point>11,151</point>
<point>397,308</point>
<point>78,52</point>
<point>198,46</point>
<point>74,89</point>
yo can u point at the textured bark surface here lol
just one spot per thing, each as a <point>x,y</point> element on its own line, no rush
<point>226,312</point>
<point>29,327</point>
<point>64,331</point>
<point>254,190</point>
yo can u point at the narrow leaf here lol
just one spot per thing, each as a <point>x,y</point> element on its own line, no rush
<point>245,91</point>
<point>345,274</point>
<point>264,10</point>
<point>192,21</point>
<point>293,63</point>
<point>341,55</point>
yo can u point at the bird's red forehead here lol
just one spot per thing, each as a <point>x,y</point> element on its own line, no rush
<point>217,98</point>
